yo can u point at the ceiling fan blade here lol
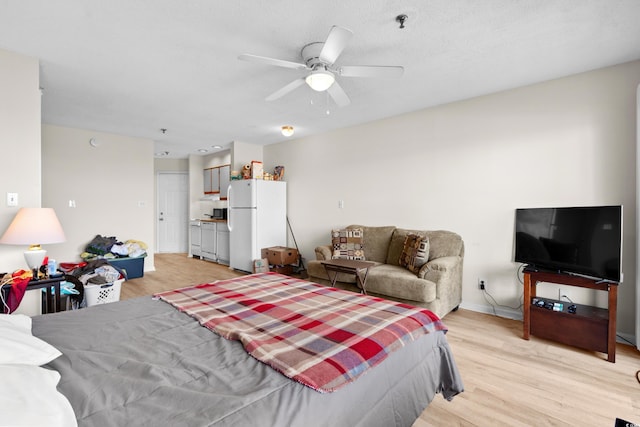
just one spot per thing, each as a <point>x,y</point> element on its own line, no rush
<point>370,71</point>
<point>285,90</point>
<point>334,45</point>
<point>338,94</point>
<point>272,61</point>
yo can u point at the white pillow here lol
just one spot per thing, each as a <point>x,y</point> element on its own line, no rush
<point>29,398</point>
<point>19,346</point>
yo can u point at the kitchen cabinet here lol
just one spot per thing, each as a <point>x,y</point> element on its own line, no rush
<point>216,180</point>
<point>206,178</point>
<point>208,240</point>
<point>225,174</point>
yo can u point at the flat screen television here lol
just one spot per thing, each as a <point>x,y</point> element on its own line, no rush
<point>585,241</point>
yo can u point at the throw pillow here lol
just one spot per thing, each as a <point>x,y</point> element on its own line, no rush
<point>19,346</point>
<point>347,243</point>
<point>415,252</point>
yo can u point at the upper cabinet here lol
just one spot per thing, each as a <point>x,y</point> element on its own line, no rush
<point>207,180</point>
<point>216,180</point>
<point>225,174</point>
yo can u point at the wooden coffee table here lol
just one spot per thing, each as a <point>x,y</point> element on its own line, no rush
<point>350,266</point>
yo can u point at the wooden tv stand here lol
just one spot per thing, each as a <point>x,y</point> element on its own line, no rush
<point>589,328</point>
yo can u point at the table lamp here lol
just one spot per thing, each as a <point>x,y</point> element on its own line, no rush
<point>34,226</point>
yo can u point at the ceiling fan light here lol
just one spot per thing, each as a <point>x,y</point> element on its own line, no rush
<point>287,130</point>
<point>320,80</point>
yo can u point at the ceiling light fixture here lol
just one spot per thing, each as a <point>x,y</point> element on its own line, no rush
<point>216,147</point>
<point>320,79</point>
<point>287,130</point>
<point>203,150</point>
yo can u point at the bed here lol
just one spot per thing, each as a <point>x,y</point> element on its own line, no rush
<point>146,362</point>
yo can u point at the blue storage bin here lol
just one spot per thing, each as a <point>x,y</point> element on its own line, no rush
<point>134,267</point>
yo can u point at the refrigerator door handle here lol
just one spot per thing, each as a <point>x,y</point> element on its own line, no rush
<point>230,204</point>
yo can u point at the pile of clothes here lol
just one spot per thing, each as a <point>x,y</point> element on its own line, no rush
<point>96,272</point>
<point>102,247</point>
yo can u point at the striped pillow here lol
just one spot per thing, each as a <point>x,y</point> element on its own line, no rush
<point>415,252</point>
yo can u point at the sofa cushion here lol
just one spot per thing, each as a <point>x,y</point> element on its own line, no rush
<point>347,243</point>
<point>397,244</point>
<point>415,252</point>
<point>376,241</point>
<point>398,282</point>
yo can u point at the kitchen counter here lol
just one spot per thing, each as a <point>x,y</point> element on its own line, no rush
<point>212,220</point>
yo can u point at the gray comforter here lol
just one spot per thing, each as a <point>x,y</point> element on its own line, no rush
<point>141,362</point>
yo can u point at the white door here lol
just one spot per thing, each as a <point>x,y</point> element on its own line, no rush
<point>173,212</point>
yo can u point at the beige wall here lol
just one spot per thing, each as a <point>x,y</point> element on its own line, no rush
<point>171,165</point>
<point>20,145</point>
<point>467,166</point>
<point>243,153</point>
<point>112,186</point>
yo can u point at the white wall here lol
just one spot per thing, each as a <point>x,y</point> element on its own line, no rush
<point>243,153</point>
<point>467,166</point>
<point>112,185</point>
<point>20,145</point>
<point>170,165</point>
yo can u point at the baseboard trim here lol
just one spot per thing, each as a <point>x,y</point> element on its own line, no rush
<point>498,311</point>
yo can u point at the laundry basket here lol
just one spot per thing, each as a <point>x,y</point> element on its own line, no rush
<point>102,294</point>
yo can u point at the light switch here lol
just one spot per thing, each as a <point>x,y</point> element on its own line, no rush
<point>12,199</point>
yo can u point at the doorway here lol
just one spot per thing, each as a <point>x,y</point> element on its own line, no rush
<point>172,221</point>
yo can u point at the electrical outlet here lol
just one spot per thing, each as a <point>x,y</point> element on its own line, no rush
<point>482,283</point>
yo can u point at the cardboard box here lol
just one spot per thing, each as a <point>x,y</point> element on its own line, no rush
<point>256,169</point>
<point>260,265</point>
<point>280,255</point>
<point>282,269</point>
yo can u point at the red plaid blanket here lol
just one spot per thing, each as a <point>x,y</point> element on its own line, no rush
<point>320,336</point>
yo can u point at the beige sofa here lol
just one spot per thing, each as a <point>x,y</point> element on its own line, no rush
<point>437,286</point>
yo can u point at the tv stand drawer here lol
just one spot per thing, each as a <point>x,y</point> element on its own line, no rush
<point>583,331</point>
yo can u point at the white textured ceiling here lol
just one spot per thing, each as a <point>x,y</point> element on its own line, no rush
<point>133,67</point>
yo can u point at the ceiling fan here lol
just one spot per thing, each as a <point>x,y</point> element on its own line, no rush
<point>319,60</point>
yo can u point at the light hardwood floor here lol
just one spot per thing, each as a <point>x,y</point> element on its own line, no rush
<point>508,381</point>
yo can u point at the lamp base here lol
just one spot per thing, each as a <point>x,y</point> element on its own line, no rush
<point>34,257</point>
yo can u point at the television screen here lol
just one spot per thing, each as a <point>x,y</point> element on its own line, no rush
<point>576,240</point>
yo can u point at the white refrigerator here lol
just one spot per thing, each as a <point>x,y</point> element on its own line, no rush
<point>257,218</point>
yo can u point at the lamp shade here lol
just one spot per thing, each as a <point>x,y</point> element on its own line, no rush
<point>320,80</point>
<point>33,226</point>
